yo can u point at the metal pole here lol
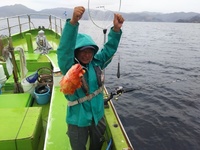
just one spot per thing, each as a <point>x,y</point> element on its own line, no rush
<point>20,27</point>
<point>50,22</point>
<point>9,32</point>
<point>29,22</point>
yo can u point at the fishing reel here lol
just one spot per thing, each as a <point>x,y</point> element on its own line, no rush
<point>115,94</point>
<point>118,92</point>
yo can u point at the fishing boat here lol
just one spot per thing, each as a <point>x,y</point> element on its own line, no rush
<point>32,108</point>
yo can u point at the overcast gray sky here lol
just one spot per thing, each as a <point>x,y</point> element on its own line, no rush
<point>164,6</point>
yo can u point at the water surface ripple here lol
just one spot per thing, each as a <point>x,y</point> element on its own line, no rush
<point>163,59</point>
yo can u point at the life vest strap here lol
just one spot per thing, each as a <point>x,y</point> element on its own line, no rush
<point>86,98</point>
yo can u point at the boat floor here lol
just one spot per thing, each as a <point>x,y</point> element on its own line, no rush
<point>57,127</point>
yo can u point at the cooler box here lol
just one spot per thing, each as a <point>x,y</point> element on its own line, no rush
<point>20,128</point>
<point>15,100</point>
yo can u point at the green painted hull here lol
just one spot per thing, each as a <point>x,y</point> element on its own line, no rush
<point>47,129</point>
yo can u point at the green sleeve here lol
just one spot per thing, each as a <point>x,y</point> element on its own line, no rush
<point>65,51</point>
<point>104,56</point>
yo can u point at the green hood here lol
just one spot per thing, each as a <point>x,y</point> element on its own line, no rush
<point>85,40</point>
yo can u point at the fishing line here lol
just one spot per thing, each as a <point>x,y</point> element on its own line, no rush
<point>155,85</point>
<point>101,12</point>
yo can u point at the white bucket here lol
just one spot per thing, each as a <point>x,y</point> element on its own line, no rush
<point>28,87</point>
<point>2,75</point>
<point>0,89</point>
<point>3,80</point>
<point>57,76</point>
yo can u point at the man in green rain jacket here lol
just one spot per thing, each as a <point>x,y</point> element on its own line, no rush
<point>85,117</point>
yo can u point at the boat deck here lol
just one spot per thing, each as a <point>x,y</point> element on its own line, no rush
<point>53,114</point>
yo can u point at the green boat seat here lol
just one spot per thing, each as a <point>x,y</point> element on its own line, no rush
<point>15,100</point>
<point>20,128</point>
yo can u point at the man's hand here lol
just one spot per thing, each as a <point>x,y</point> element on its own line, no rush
<point>117,22</point>
<point>77,14</point>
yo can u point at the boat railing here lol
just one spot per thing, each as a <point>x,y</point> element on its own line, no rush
<point>19,23</point>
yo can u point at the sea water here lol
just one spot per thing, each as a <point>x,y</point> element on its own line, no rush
<point>163,59</point>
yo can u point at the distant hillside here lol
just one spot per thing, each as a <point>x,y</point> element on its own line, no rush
<point>195,19</point>
<point>58,11</point>
<point>173,17</point>
<point>159,17</point>
<point>143,16</point>
<point>18,9</point>
<point>13,10</point>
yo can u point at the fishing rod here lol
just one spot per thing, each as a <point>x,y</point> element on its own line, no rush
<point>104,29</point>
<point>92,15</point>
<point>120,89</point>
<point>117,92</point>
<point>99,12</point>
